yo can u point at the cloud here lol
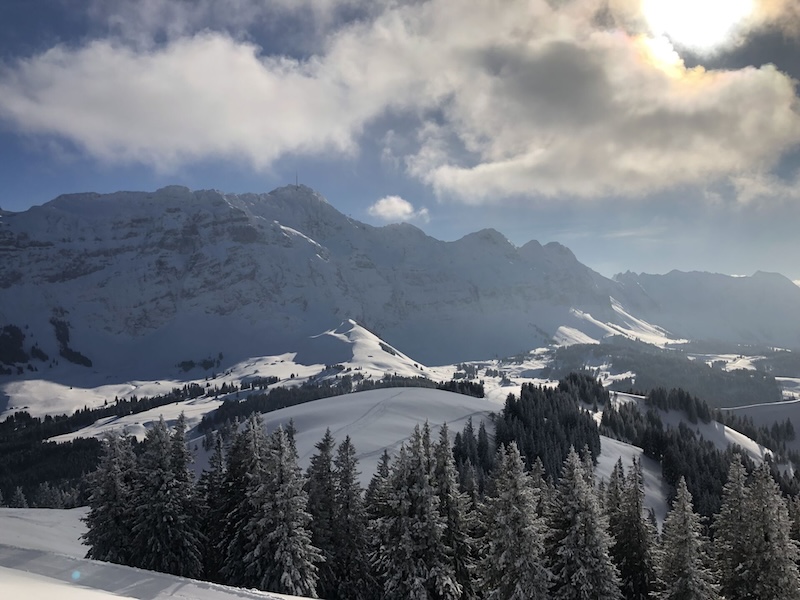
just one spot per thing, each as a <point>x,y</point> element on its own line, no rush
<point>395,208</point>
<point>199,97</point>
<point>501,99</point>
<point>782,14</point>
<point>759,189</point>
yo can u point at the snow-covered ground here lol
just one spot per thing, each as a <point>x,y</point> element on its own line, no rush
<point>378,419</point>
<point>656,490</point>
<point>41,558</point>
<point>790,387</point>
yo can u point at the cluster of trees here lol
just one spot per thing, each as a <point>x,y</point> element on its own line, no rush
<point>254,520</point>
<point>680,450</point>
<point>667,368</point>
<point>545,422</point>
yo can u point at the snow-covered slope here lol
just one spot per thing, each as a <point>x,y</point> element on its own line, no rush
<point>718,434</point>
<point>41,558</point>
<point>379,419</point>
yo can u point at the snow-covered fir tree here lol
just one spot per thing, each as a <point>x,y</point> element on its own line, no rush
<point>166,536</point>
<point>512,549</point>
<point>212,515</point>
<point>578,543</point>
<point>415,561</point>
<point>376,507</point>
<point>544,492</point>
<point>18,499</point>
<point>634,540</point>
<point>48,496</point>
<point>245,474</point>
<point>350,561</point>
<point>320,487</point>
<point>731,533</point>
<point>108,522</point>
<point>281,557</point>
<point>459,520</point>
<point>612,497</point>
<point>771,560</point>
<point>685,571</point>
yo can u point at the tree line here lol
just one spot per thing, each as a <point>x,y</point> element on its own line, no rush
<point>254,519</point>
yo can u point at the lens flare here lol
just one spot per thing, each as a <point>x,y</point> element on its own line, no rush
<point>700,25</point>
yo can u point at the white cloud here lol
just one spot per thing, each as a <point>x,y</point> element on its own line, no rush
<point>504,98</point>
<point>395,208</point>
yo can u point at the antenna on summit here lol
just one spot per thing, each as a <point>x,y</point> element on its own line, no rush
<point>296,181</point>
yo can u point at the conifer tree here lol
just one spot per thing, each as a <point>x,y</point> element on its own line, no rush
<point>181,456</point>
<point>246,472</point>
<point>543,490</point>
<point>413,556</point>
<point>731,533</point>
<point>513,565</point>
<point>108,522</point>
<point>18,499</point>
<point>165,537</point>
<point>350,561</point>
<point>456,511</point>
<point>320,488</point>
<point>794,516</point>
<point>48,496</point>
<point>771,562</point>
<point>2,500</point>
<point>684,567</point>
<point>212,494</point>
<point>612,501</point>
<point>579,544</point>
<point>634,547</point>
<point>280,556</point>
<point>376,506</point>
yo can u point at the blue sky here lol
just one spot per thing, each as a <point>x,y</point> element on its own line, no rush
<point>644,134</point>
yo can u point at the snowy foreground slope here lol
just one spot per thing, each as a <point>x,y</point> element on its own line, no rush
<point>41,558</point>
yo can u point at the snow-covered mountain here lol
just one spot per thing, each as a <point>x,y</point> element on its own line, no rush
<point>175,274</point>
<point>136,282</point>
<point>763,309</point>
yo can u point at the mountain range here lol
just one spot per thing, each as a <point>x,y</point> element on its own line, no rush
<point>138,282</point>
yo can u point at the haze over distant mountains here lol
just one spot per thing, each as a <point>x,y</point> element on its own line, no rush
<point>149,279</point>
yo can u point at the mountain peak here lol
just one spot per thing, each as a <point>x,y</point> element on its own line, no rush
<point>298,192</point>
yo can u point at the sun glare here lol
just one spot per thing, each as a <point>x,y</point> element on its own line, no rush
<point>700,25</point>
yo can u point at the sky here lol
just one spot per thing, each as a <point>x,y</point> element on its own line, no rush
<point>645,135</point>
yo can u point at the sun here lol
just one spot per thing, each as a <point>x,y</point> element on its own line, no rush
<point>700,25</point>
